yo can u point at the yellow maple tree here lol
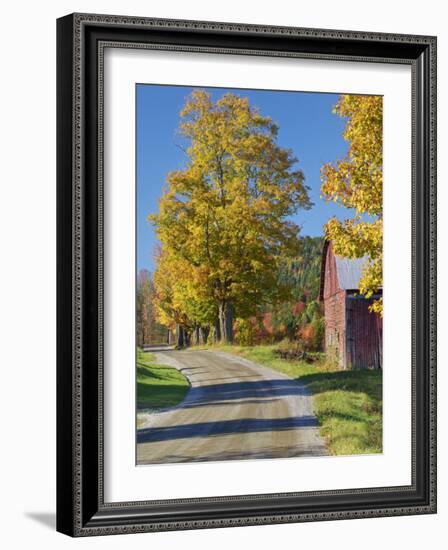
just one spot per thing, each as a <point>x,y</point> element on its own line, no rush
<point>226,214</point>
<point>356,182</point>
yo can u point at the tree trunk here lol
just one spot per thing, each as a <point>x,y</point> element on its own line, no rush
<point>180,336</point>
<point>196,336</point>
<point>203,334</point>
<point>216,332</point>
<point>187,338</point>
<point>139,338</point>
<point>225,313</point>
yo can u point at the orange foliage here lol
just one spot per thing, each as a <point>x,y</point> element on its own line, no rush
<point>298,307</point>
<point>307,335</point>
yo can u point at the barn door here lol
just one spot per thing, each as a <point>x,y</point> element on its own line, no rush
<point>364,335</point>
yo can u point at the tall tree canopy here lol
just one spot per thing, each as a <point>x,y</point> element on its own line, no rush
<point>225,215</point>
<point>357,182</point>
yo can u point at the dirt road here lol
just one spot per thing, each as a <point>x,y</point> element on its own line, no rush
<point>235,409</point>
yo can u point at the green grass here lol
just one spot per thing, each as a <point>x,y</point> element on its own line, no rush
<point>348,404</point>
<point>158,386</point>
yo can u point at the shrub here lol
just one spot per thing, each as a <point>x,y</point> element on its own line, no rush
<point>244,332</point>
<point>318,324</point>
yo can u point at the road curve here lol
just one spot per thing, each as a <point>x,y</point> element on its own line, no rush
<point>235,409</point>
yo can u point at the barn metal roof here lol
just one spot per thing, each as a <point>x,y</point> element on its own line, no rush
<point>350,271</point>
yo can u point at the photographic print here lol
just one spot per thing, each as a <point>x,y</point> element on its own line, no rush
<point>259,274</point>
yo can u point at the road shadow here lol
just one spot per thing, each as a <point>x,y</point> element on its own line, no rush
<point>152,348</point>
<point>224,427</point>
<point>214,394</point>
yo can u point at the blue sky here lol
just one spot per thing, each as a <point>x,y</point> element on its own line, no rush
<point>307,126</point>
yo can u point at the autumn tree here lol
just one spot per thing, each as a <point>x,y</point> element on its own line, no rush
<point>225,215</point>
<point>356,182</point>
<point>148,329</point>
<point>168,311</point>
<point>182,303</point>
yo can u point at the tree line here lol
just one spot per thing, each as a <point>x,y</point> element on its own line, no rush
<point>149,330</point>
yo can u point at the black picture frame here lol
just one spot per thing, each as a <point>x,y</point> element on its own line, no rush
<point>81,510</point>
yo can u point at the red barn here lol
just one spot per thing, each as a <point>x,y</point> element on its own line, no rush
<point>352,333</point>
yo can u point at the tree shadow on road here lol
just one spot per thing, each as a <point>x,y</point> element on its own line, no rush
<point>213,394</point>
<point>224,427</point>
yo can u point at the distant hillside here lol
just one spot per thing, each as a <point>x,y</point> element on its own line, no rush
<point>302,275</point>
<point>303,272</point>
<point>300,310</point>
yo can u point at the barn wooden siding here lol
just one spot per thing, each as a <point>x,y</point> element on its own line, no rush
<point>334,311</point>
<point>353,334</point>
<point>364,334</point>
<point>335,334</point>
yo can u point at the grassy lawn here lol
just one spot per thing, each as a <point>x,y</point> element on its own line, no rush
<point>158,386</point>
<point>348,404</point>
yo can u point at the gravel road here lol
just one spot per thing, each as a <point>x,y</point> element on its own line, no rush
<point>235,409</point>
